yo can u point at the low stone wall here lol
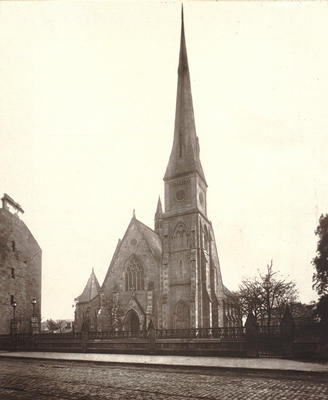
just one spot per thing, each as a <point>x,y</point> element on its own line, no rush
<point>209,347</point>
<point>70,343</point>
<point>138,345</point>
<point>168,346</point>
<point>5,342</point>
<point>306,344</point>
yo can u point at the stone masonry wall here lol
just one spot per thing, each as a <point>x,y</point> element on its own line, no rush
<point>20,272</point>
<point>145,302</point>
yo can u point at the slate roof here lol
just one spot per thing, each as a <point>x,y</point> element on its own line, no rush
<point>91,289</point>
<point>152,238</point>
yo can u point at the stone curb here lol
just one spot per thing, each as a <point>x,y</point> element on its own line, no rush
<point>181,363</point>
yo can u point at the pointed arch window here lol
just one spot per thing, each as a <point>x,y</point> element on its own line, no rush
<point>180,239</point>
<point>206,239</point>
<point>182,315</point>
<point>134,276</point>
<point>180,270</point>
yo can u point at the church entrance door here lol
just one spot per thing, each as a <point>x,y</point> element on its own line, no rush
<point>132,322</point>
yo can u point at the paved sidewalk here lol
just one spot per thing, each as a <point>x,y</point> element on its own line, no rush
<point>178,361</point>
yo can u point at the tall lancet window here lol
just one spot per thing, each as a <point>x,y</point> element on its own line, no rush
<point>206,239</point>
<point>180,239</point>
<point>134,276</point>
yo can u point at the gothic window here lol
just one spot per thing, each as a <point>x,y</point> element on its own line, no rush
<point>206,240</point>
<point>182,315</point>
<point>180,240</point>
<point>134,276</point>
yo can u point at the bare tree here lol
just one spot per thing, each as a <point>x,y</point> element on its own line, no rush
<point>61,324</point>
<point>250,298</point>
<point>51,325</point>
<point>266,295</point>
<point>58,325</point>
<point>277,293</point>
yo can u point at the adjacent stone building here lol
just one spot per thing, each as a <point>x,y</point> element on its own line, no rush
<point>170,275</point>
<point>20,272</point>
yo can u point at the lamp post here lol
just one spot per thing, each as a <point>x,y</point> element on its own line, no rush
<point>33,306</point>
<point>34,319</point>
<point>13,323</point>
<point>14,305</point>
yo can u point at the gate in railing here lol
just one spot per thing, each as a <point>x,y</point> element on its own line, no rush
<point>270,342</point>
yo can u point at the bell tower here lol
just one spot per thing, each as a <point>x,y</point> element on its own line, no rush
<point>190,272</point>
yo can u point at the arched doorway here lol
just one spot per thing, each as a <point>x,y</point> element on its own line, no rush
<point>132,322</point>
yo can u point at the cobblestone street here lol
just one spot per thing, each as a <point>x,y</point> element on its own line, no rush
<point>53,380</point>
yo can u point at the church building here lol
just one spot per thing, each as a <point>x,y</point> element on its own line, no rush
<point>169,275</point>
<point>20,272</point>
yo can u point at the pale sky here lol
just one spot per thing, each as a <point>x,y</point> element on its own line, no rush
<point>87,104</point>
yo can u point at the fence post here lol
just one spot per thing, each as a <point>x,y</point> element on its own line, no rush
<point>151,334</point>
<point>13,334</point>
<point>84,340</point>
<point>287,332</point>
<point>34,325</point>
<point>252,335</point>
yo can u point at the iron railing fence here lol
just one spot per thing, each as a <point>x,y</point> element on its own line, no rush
<point>202,333</point>
<point>118,334</point>
<point>195,333</point>
<point>273,330</point>
<point>5,340</point>
<point>315,329</point>
<point>48,335</point>
<point>311,330</point>
<point>221,333</point>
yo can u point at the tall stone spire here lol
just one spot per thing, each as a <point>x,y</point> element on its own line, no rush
<point>184,156</point>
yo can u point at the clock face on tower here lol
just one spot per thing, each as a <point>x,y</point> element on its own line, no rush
<point>180,194</point>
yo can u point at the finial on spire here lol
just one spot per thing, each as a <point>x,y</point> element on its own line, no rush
<point>183,60</point>
<point>134,213</point>
<point>159,209</point>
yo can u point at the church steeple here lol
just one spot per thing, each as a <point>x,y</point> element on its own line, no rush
<point>184,157</point>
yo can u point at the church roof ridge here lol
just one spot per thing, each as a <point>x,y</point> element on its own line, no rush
<point>117,248</point>
<point>152,238</point>
<point>146,226</point>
